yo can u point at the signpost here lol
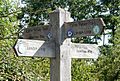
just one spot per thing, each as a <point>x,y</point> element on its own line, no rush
<point>60,50</point>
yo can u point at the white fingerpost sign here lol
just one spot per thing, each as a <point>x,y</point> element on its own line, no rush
<point>35,48</point>
<point>84,51</point>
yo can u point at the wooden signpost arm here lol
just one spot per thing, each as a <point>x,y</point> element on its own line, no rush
<point>60,66</point>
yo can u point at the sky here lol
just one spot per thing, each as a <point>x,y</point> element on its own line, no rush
<point>107,37</point>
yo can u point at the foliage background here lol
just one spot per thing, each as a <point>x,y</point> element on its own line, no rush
<point>14,17</point>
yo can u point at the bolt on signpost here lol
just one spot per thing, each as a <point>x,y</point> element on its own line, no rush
<point>52,41</point>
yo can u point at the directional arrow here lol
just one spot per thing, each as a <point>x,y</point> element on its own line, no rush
<point>25,47</point>
<point>84,50</point>
<point>89,27</point>
<point>42,32</point>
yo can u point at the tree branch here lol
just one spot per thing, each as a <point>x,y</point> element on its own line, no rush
<point>9,14</point>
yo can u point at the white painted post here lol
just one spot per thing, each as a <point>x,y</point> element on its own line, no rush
<point>60,67</point>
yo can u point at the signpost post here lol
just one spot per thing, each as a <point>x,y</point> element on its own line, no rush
<point>54,42</point>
